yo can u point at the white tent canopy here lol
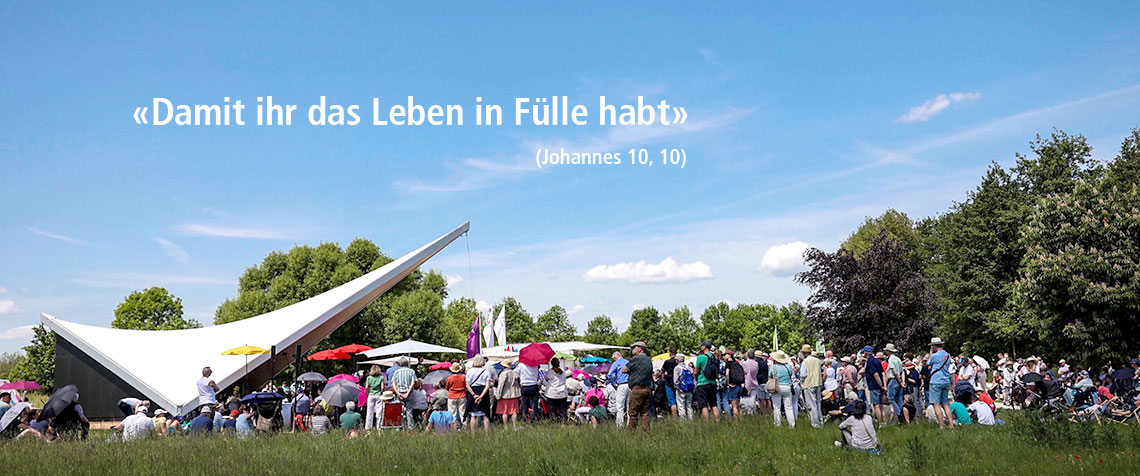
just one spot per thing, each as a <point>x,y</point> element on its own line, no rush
<point>410,347</point>
<point>392,361</point>
<point>164,365</point>
<point>512,350</point>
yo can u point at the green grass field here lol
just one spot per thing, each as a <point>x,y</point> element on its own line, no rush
<point>751,446</point>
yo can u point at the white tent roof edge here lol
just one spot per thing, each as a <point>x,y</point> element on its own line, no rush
<point>303,315</point>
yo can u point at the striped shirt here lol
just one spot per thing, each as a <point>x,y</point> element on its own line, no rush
<point>403,379</point>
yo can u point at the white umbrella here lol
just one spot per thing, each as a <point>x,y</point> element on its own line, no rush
<point>409,347</point>
<point>981,362</point>
<point>12,414</point>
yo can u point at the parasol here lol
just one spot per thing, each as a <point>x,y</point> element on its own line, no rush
<point>538,353</point>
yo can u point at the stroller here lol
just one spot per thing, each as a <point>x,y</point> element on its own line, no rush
<point>268,405</point>
<point>1122,408</point>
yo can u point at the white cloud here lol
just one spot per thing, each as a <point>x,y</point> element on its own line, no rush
<point>21,332</point>
<point>8,306</point>
<point>637,307</point>
<point>174,251</point>
<point>576,309</point>
<point>935,105</point>
<point>227,231</point>
<point>56,236</point>
<point>784,260</point>
<point>452,280</point>
<point>667,271</point>
<point>482,306</point>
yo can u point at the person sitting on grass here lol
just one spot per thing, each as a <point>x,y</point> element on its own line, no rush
<point>320,423</point>
<point>244,422</point>
<point>20,426</point>
<point>597,410</point>
<point>229,423</point>
<point>441,420</point>
<point>858,430</point>
<point>350,420</point>
<point>203,424</point>
<point>983,413</point>
<point>959,410</point>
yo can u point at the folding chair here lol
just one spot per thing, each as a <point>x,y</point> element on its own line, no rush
<point>393,416</point>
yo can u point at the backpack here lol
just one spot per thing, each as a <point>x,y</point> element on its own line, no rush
<point>711,370</point>
<point>687,384</point>
<point>735,373</point>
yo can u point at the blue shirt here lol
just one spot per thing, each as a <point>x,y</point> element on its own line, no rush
<point>441,421</point>
<point>392,370</point>
<point>616,376</point>
<point>874,366</point>
<point>302,405</point>
<point>782,373</point>
<point>243,425</point>
<point>229,424</point>
<point>201,424</point>
<point>939,364</point>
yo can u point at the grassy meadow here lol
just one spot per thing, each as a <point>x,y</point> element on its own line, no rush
<point>750,446</point>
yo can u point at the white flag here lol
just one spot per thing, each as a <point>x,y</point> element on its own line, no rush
<point>488,332</point>
<point>501,326</point>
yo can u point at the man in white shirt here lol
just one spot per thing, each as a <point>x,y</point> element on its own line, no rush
<point>137,426</point>
<point>528,380</point>
<point>982,412</point>
<point>207,389</point>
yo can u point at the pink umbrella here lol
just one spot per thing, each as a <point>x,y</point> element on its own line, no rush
<point>20,385</point>
<point>362,400</point>
<point>576,372</point>
<point>538,353</point>
<point>348,377</point>
<point>441,366</point>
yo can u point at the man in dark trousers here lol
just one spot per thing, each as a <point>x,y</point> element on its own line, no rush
<point>640,370</point>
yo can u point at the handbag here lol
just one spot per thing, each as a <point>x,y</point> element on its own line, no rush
<point>772,386</point>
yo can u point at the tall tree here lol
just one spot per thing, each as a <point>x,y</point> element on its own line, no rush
<point>554,325</point>
<point>600,330</point>
<point>682,330</point>
<point>870,300</point>
<point>152,309</point>
<point>38,363</point>
<point>1080,286</point>
<point>520,325</point>
<point>645,325</point>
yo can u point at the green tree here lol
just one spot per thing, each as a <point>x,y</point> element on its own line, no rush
<point>520,325</point>
<point>682,330</point>
<point>38,363</point>
<point>645,325</point>
<point>554,325</point>
<point>600,330</point>
<point>895,224</point>
<point>8,361</point>
<point>460,313</point>
<point>152,309</point>
<point>1080,286</point>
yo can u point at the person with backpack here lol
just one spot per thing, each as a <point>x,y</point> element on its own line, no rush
<point>685,383</point>
<point>708,369</point>
<point>780,386</point>
<point>811,374</point>
<point>734,374</point>
<point>763,397</point>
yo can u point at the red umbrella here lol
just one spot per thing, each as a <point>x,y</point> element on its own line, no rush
<point>20,385</point>
<point>352,348</point>
<point>441,366</point>
<point>536,354</point>
<point>329,355</point>
<point>348,377</point>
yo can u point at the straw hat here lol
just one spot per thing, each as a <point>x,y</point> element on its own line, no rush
<point>780,357</point>
<point>806,348</point>
<point>890,348</point>
<point>387,396</point>
<point>456,368</point>
<point>936,341</point>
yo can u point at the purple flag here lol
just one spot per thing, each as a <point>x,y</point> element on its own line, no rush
<point>473,339</point>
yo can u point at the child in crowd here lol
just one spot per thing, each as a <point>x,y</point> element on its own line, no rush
<point>441,420</point>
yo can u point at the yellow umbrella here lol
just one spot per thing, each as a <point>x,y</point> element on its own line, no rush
<point>246,350</point>
<point>664,356</point>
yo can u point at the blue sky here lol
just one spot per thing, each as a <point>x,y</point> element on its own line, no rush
<point>801,123</point>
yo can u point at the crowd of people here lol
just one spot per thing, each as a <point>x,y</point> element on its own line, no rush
<point>860,391</point>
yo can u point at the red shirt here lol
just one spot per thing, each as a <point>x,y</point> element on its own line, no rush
<point>456,386</point>
<point>985,397</point>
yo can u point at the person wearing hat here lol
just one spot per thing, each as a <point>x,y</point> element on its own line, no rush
<point>640,373</point>
<point>781,370</point>
<point>811,380</point>
<point>159,421</point>
<point>939,396</point>
<point>912,386</point>
<point>704,399</point>
<point>684,383</point>
<point>849,377</point>
<point>456,386</point>
<point>137,426</point>
<point>896,382</point>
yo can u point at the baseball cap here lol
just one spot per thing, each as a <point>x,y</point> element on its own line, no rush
<point>868,349</point>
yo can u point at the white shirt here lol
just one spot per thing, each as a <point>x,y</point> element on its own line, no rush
<point>478,376</point>
<point>136,427</point>
<point>555,384</point>
<point>983,413</point>
<point>527,375</point>
<point>206,393</point>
